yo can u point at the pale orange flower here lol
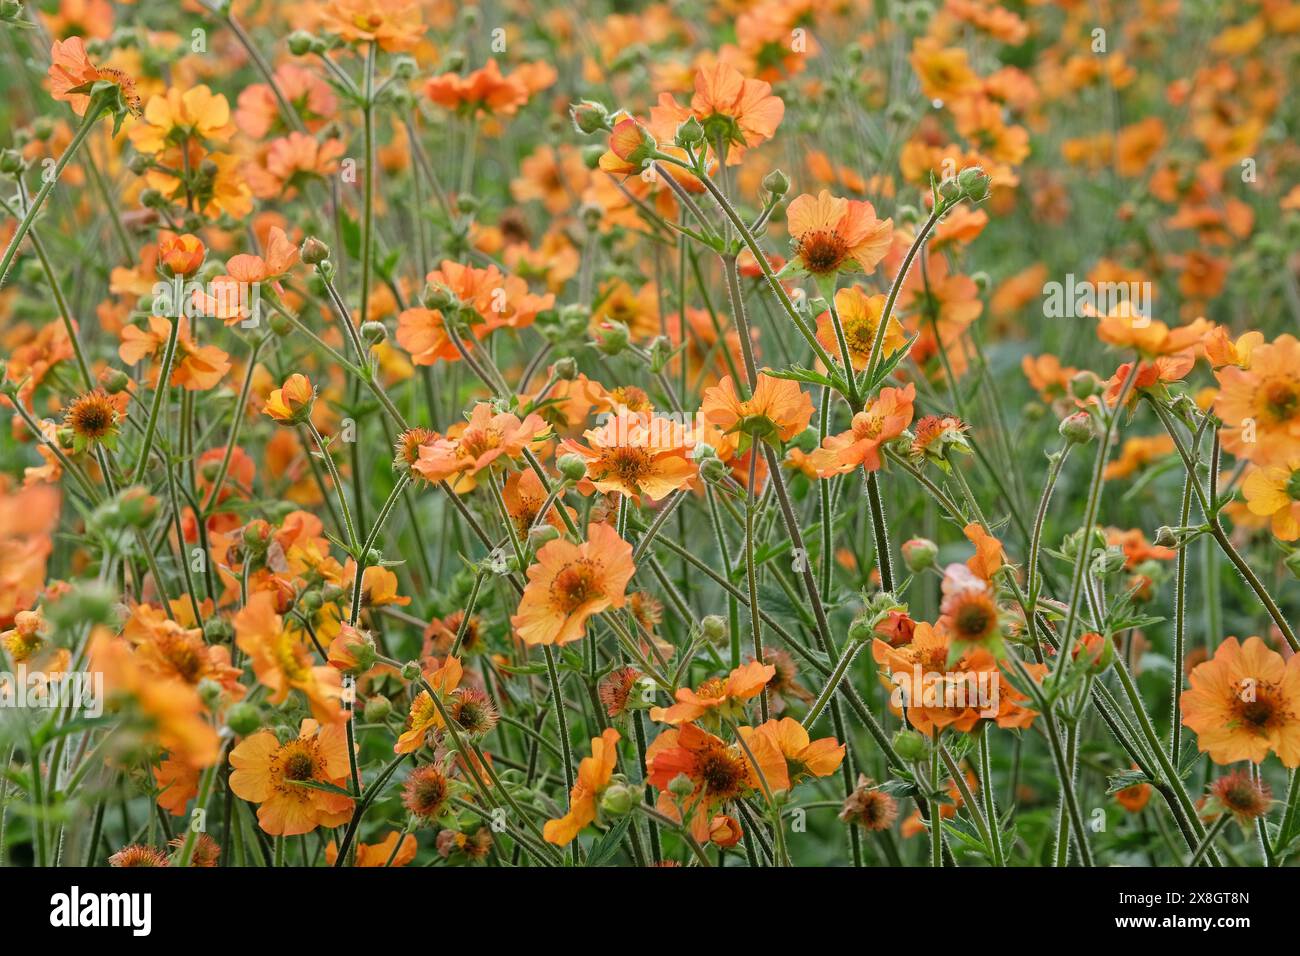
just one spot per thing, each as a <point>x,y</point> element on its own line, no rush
<point>636,454</point>
<point>832,235</point>
<point>883,420</point>
<point>1245,702</point>
<point>717,697</point>
<point>569,583</point>
<point>487,437</point>
<point>594,774</point>
<point>778,407</point>
<point>267,772</point>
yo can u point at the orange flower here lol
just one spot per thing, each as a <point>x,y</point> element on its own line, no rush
<point>282,663</point>
<point>1245,702</point>
<point>804,757</point>
<point>832,235</point>
<point>777,408</point>
<point>1273,491</point>
<point>486,90</point>
<point>717,697</point>
<point>944,72</point>
<point>424,715</point>
<point>171,117</point>
<point>884,419</point>
<point>172,709</point>
<point>72,74</point>
<point>488,436</point>
<point>739,111</point>
<point>719,772</point>
<point>180,255</point>
<point>1136,453</point>
<point>636,454</point>
<point>594,774</point>
<point>989,555</point>
<point>1260,405</point>
<point>267,772</point>
<point>395,25</point>
<point>1125,328</point>
<point>380,854</point>
<point>291,403</point>
<point>570,583</point>
<point>860,318</point>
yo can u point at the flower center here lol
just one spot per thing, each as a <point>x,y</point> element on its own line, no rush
<point>822,251</point>
<point>1281,400</point>
<point>575,586</point>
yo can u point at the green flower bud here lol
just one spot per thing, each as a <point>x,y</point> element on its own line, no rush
<point>572,467</point>
<point>1078,428</point>
<point>377,709</point>
<point>910,745</point>
<point>243,718</point>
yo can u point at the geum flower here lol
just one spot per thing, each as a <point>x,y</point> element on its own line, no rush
<point>569,583</point>
<point>719,773</point>
<point>594,775</point>
<point>717,698</point>
<point>424,714</point>
<point>636,454</point>
<point>73,77</point>
<point>1273,491</point>
<point>1245,702</point>
<point>954,695</point>
<point>804,757</point>
<point>883,420</point>
<point>267,772</point>
<point>1264,399</point>
<point>831,235</point>
<point>860,316</point>
<point>488,436</point>
<point>281,662</point>
<point>778,409</point>
<point>196,368</point>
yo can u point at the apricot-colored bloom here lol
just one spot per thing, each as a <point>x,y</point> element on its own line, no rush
<point>486,90</point>
<point>487,437</point>
<point>71,74</point>
<point>570,583</point>
<point>269,773</point>
<point>171,117</point>
<point>989,554</point>
<point>395,25</point>
<point>282,663</point>
<point>743,112</point>
<point>636,454</point>
<point>1138,452</point>
<point>717,697</point>
<point>860,319</point>
<point>291,403</point>
<point>944,72</point>
<point>172,709</point>
<point>181,255</point>
<point>1126,328</point>
<point>883,420</point>
<point>831,235</point>
<point>594,774</point>
<point>778,407</point>
<point>804,757</point>
<point>1260,405</point>
<point>1273,491</point>
<point>424,714</point>
<point>720,772</point>
<point>937,694</point>
<point>1245,702</point>
<point>386,853</point>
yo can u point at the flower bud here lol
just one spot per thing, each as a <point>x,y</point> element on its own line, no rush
<point>572,467</point>
<point>681,786</point>
<point>1165,537</point>
<point>909,745</point>
<point>1077,428</point>
<point>411,671</point>
<point>313,251</point>
<point>974,183</point>
<point>377,709</point>
<point>1084,384</point>
<point>373,332</point>
<point>919,554</point>
<point>619,799</point>
<point>776,183</point>
<point>300,42</point>
<point>714,628</point>
<point>612,337</point>
<point>243,718</point>
<point>589,117</point>
<point>690,133</point>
